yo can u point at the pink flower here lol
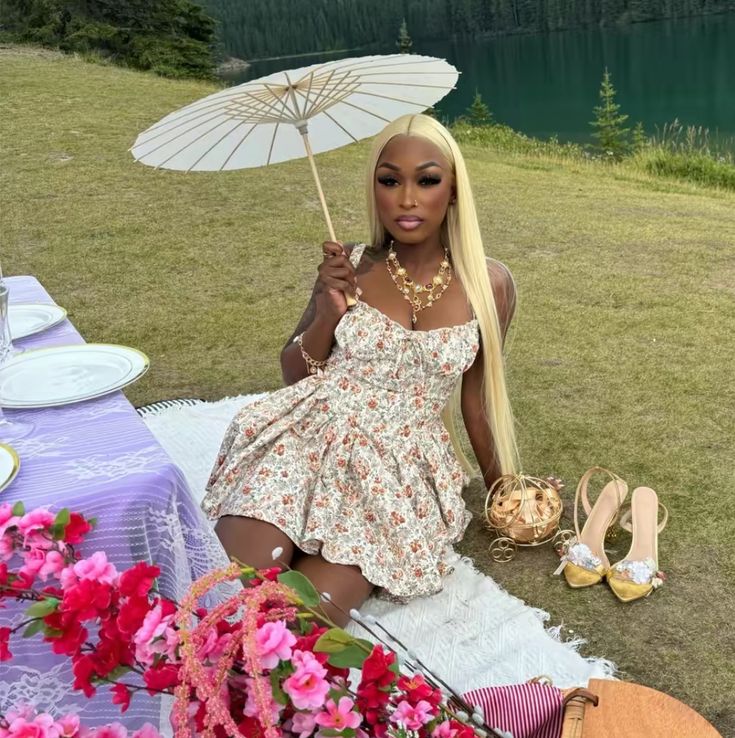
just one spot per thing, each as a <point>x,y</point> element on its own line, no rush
<point>412,717</point>
<point>303,723</point>
<point>39,519</point>
<point>147,731</point>
<point>96,567</point>
<point>33,560</point>
<point>113,730</point>
<point>20,711</point>
<point>7,519</point>
<point>155,636</point>
<point>338,716</point>
<point>40,539</point>
<point>67,577</point>
<point>444,730</point>
<point>214,646</point>
<point>6,547</point>
<point>52,566</point>
<point>42,726</point>
<point>68,726</point>
<point>307,686</point>
<point>273,642</point>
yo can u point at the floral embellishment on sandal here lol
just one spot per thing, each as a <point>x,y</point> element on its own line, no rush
<point>580,554</point>
<point>639,572</point>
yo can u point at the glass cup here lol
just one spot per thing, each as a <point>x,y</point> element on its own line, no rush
<point>9,429</point>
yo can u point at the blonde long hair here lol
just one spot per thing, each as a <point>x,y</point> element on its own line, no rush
<point>461,235</point>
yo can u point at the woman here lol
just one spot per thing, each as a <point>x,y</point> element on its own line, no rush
<point>350,470</point>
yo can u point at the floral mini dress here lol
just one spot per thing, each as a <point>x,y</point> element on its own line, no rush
<point>355,463</point>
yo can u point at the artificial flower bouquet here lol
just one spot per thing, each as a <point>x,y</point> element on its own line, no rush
<point>264,661</point>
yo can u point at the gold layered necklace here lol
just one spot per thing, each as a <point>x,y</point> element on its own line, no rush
<point>419,296</point>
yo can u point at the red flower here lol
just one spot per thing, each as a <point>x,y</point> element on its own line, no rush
<point>23,580</point>
<point>137,582</point>
<point>377,668</point>
<point>3,574</point>
<point>462,730</point>
<point>250,727</point>
<point>5,654</point>
<point>131,615</point>
<point>373,691</point>
<point>161,677</point>
<point>307,643</point>
<point>76,529</point>
<point>416,689</point>
<point>371,697</point>
<point>168,607</point>
<point>113,650</point>
<point>84,671</point>
<point>87,599</point>
<point>121,696</point>
<point>69,636</point>
<point>269,575</point>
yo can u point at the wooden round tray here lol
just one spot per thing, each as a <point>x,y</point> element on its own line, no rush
<point>627,710</point>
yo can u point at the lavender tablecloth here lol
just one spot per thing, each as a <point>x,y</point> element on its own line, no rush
<point>98,457</point>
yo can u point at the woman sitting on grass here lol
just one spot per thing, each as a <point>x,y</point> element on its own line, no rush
<point>350,469</point>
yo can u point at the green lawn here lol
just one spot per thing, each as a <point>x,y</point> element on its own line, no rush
<point>621,353</point>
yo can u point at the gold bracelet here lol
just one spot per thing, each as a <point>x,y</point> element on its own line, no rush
<point>313,365</point>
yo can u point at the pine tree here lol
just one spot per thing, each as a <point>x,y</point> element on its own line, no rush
<point>404,42</point>
<point>478,114</point>
<point>638,138</point>
<point>611,135</point>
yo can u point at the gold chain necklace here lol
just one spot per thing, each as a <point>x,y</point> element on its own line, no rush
<point>414,293</point>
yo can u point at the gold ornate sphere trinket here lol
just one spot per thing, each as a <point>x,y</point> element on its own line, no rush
<point>522,511</point>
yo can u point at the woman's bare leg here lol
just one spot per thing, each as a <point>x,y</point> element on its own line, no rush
<point>252,541</point>
<point>346,585</point>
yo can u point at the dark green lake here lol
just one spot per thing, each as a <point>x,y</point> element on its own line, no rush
<point>547,84</point>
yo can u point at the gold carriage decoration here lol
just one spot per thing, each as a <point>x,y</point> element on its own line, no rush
<point>522,511</point>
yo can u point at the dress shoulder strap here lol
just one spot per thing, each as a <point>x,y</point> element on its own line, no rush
<point>357,251</point>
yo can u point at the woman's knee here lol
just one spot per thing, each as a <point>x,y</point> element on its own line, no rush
<point>252,541</point>
<point>346,585</point>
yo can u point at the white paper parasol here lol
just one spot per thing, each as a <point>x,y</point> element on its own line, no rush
<point>288,115</point>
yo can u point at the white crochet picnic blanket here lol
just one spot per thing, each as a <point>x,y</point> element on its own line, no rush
<point>473,633</point>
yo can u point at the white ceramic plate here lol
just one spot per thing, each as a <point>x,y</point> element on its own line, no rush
<point>27,319</point>
<point>60,375</point>
<point>9,465</point>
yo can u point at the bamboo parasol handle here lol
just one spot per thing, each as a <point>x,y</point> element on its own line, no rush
<point>305,136</point>
<point>322,200</point>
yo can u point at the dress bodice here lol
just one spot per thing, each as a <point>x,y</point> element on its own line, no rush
<point>391,362</point>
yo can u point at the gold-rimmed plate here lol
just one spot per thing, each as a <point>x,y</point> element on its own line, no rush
<point>61,375</point>
<point>9,465</point>
<point>29,318</point>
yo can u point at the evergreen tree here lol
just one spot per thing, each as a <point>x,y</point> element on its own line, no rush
<point>171,37</point>
<point>258,28</point>
<point>478,114</point>
<point>638,138</point>
<point>610,133</point>
<point>404,42</point>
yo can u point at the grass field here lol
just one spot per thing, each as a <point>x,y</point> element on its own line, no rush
<point>621,353</point>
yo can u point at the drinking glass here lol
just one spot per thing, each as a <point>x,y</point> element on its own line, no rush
<point>9,429</point>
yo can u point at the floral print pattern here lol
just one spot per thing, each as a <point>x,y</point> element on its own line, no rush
<point>355,463</point>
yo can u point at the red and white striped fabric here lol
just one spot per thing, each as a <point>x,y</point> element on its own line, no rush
<point>525,710</point>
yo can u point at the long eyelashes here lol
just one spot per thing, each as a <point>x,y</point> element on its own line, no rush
<point>425,181</point>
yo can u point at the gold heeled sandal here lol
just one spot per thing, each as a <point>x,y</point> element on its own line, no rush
<point>583,558</point>
<point>637,575</point>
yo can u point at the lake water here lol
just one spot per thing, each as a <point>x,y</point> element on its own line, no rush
<point>547,84</point>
